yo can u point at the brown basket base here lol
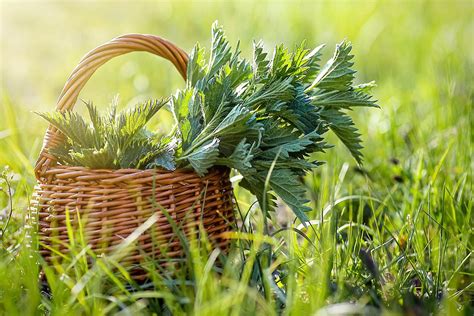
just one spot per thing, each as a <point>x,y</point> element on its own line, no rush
<point>101,208</point>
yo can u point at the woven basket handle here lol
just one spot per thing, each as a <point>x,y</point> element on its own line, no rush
<point>89,64</point>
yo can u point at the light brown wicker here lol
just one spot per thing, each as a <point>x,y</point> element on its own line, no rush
<point>113,203</point>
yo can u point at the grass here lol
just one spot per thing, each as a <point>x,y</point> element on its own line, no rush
<point>393,236</point>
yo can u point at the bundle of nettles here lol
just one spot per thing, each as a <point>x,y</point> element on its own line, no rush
<point>263,117</point>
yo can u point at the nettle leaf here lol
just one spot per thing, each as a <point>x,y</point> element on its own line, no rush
<point>97,124</point>
<point>343,99</point>
<point>311,63</point>
<point>161,154</point>
<point>163,160</point>
<point>281,62</point>
<point>260,62</point>
<point>133,120</point>
<point>235,120</point>
<point>186,107</point>
<point>296,147</point>
<point>61,152</point>
<point>301,114</point>
<point>255,184</point>
<point>336,73</point>
<point>301,65</point>
<point>220,51</point>
<point>196,66</point>
<point>240,159</point>
<point>343,126</point>
<point>203,157</point>
<point>240,123</point>
<point>137,148</point>
<point>298,165</point>
<point>286,184</point>
<point>92,158</point>
<point>218,101</point>
<point>237,73</point>
<point>276,134</point>
<point>72,125</point>
<point>276,91</point>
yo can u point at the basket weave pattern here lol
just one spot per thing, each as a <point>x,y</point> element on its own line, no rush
<point>113,203</point>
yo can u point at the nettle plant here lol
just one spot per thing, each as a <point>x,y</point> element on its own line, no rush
<point>111,141</point>
<point>263,117</point>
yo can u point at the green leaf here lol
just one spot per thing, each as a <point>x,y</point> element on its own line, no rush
<point>343,99</point>
<point>186,107</point>
<point>133,120</point>
<point>240,159</point>
<point>336,73</point>
<point>203,157</point>
<point>220,51</point>
<point>196,66</point>
<point>343,126</point>
<point>260,61</point>
<point>298,147</point>
<point>93,158</point>
<point>72,125</point>
<point>297,165</point>
<point>164,160</point>
<point>290,189</point>
<point>276,91</point>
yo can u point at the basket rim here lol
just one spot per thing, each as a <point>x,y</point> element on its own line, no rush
<point>110,176</point>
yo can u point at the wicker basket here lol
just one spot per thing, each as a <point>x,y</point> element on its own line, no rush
<point>114,203</point>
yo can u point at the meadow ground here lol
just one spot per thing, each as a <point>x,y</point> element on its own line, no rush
<point>392,236</point>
